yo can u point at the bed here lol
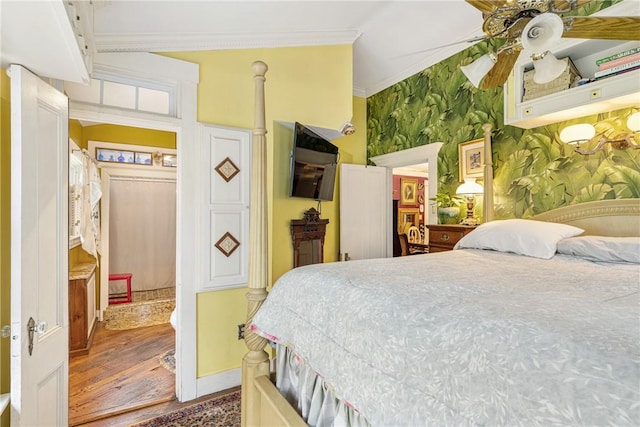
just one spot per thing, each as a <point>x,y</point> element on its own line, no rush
<point>526,322</point>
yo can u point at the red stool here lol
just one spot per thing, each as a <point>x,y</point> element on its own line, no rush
<point>120,298</point>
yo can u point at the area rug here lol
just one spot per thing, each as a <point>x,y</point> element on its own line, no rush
<point>223,411</point>
<point>168,361</point>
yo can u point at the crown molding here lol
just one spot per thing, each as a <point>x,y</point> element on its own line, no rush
<point>175,42</point>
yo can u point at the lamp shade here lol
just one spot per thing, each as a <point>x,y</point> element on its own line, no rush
<point>470,186</point>
<point>633,122</point>
<point>575,134</point>
<point>542,32</point>
<point>478,69</point>
<point>548,68</point>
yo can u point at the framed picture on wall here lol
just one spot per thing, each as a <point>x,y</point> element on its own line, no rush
<point>471,159</point>
<point>408,191</point>
<point>409,216</point>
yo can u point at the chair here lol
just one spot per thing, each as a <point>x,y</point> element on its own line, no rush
<point>414,235</point>
<point>404,244</point>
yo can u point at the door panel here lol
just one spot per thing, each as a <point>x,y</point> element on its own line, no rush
<point>365,211</point>
<point>39,251</point>
<point>225,170</point>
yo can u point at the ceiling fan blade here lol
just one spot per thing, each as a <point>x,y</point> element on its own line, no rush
<point>567,4</point>
<point>500,72</point>
<point>603,27</point>
<point>486,6</point>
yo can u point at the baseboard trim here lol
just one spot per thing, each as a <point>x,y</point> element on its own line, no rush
<point>218,382</point>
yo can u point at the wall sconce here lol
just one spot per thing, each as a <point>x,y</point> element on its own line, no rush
<point>586,134</point>
<point>469,189</point>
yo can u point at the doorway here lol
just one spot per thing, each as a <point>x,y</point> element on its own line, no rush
<point>424,154</point>
<point>131,363</point>
<point>410,213</point>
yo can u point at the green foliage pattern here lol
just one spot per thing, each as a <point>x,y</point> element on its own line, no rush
<point>534,171</point>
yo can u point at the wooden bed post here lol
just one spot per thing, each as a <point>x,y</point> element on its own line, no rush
<point>487,205</point>
<point>256,362</point>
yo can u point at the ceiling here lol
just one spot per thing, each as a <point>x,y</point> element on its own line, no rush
<point>385,34</point>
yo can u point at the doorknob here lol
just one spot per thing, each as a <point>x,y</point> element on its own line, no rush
<point>5,332</point>
<point>32,328</point>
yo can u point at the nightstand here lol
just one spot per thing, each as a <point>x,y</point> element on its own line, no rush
<point>443,237</point>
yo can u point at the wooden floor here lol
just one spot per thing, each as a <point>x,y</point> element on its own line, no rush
<point>149,412</point>
<point>121,373</point>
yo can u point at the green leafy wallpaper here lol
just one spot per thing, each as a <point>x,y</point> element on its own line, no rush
<point>534,171</point>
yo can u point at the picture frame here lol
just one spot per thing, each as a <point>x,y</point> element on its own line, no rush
<point>114,156</point>
<point>408,216</point>
<point>169,160</point>
<point>408,191</point>
<point>471,159</point>
<point>142,158</point>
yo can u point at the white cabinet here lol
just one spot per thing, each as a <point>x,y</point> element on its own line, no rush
<point>608,94</point>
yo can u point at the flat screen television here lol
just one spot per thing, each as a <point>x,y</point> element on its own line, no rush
<point>313,165</point>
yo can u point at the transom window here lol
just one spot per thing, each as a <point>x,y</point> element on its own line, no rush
<point>144,96</point>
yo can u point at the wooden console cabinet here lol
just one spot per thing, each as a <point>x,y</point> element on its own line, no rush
<point>82,308</point>
<point>308,238</point>
<point>443,237</point>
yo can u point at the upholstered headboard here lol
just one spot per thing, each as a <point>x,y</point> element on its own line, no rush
<point>620,217</point>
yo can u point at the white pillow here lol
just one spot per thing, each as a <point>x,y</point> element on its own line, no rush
<point>537,239</point>
<point>602,248</point>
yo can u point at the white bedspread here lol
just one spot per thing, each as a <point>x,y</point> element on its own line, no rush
<point>468,337</point>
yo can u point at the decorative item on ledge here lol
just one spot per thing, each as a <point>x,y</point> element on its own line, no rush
<point>567,79</point>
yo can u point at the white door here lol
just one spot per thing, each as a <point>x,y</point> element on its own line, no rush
<point>365,212</point>
<point>39,252</point>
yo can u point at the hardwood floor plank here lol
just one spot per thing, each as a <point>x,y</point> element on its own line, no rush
<point>125,419</point>
<point>121,373</point>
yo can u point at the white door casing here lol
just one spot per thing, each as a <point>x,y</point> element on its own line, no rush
<point>39,251</point>
<point>427,153</point>
<point>184,76</point>
<point>365,214</point>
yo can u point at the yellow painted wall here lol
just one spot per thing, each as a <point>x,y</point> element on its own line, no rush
<point>127,135</point>
<point>5,231</point>
<point>311,85</point>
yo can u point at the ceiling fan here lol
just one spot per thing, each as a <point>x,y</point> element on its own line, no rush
<point>536,25</point>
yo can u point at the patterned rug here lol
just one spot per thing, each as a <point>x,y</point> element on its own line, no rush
<point>223,411</point>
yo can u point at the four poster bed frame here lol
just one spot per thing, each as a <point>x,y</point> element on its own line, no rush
<point>262,404</point>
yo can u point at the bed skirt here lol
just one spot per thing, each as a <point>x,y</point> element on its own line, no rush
<point>306,391</point>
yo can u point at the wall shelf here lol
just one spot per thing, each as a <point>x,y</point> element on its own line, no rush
<point>612,93</point>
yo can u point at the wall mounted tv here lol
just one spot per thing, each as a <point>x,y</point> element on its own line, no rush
<point>313,165</point>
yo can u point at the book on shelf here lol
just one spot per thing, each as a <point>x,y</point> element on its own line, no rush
<point>628,70</point>
<point>619,61</point>
<point>617,69</point>
<point>618,55</point>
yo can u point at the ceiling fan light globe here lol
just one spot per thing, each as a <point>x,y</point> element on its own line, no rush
<point>476,71</point>
<point>548,68</point>
<point>542,32</point>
